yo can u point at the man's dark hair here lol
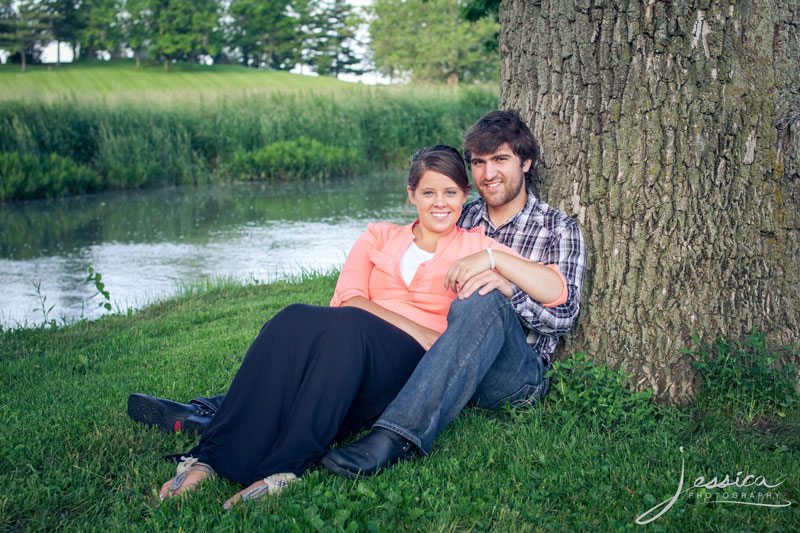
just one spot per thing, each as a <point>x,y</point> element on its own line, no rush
<point>498,127</point>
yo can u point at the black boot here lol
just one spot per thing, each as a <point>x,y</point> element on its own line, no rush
<point>169,416</point>
<point>378,449</point>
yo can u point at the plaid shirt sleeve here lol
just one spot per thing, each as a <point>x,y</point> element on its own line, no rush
<point>565,249</point>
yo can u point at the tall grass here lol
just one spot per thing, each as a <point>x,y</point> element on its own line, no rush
<point>134,144</point>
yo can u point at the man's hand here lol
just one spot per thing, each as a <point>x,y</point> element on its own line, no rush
<point>473,273</point>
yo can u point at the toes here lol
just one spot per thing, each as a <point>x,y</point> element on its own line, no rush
<point>233,500</point>
<point>164,492</point>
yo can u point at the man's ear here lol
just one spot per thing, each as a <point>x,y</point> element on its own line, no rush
<point>526,165</point>
<point>411,196</point>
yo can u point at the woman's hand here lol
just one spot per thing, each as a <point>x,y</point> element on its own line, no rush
<point>474,273</point>
<point>465,268</point>
<point>484,283</point>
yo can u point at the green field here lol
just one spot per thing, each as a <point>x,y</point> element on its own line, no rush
<point>122,80</point>
<point>591,457</point>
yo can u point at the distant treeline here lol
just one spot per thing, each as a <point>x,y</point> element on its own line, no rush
<point>74,147</point>
<point>275,34</point>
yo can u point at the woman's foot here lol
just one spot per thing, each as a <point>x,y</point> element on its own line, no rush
<point>267,486</point>
<point>190,473</point>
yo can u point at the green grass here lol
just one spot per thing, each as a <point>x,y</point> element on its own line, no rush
<point>121,79</point>
<point>71,459</point>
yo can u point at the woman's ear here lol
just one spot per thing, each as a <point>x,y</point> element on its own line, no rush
<point>411,195</point>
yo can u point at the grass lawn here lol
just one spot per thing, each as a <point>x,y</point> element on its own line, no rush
<point>121,78</point>
<point>71,459</point>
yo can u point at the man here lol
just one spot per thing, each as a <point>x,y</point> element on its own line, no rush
<point>502,330</point>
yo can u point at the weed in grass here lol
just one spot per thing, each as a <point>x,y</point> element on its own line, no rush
<point>746,379</point>
<point>37,287</point>
<point>599,392</point>
<point>95,278</point>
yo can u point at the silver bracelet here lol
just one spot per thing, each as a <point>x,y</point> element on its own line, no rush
<point>491,256</point>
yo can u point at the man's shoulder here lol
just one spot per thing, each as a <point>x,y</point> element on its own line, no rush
<point>555,220</point>
<point>469,213</point>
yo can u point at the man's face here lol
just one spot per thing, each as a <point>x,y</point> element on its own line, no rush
<point>500,176</point>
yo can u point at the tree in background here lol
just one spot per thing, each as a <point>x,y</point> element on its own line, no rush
<point>136,26</point>
<point>23,25</point>
<point>97,28</point>
<point>671,131</point>
<point>332,37</point>
<point>185,29</point>
<point>67,24</point>
<point>266,32</point>
<point>431,41</point>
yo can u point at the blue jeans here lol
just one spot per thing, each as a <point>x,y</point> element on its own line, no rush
<point>482,358</point>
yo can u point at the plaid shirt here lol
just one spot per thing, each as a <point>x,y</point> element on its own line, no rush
<point>545,235</point>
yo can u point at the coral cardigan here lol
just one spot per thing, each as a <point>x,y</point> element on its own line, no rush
<point>372,270</point>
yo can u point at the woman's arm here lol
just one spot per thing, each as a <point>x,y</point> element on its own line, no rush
<point>424,336</point>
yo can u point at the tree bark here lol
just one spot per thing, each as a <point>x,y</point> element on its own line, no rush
<point>670,131</point>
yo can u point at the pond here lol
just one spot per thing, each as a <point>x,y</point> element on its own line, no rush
<point>147,244</point>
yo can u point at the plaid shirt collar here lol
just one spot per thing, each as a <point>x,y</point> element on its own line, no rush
<point>519,220</point>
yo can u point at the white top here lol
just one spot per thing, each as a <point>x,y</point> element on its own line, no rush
<point>412,258</point>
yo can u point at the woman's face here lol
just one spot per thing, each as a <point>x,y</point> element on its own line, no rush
<point>439,201</point>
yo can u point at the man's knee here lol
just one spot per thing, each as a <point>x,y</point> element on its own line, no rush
<point>477,304</point>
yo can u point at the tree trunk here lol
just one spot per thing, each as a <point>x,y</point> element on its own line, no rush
<point>670,131</point>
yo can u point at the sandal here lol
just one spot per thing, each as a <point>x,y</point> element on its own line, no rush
<point>271,485</point>
<point>188,464</point>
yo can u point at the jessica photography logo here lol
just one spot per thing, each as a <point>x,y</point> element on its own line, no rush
<point>744,489</point>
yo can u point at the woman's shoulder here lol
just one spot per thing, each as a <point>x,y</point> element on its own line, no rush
<point>384,231</point>
<point>382,228</point>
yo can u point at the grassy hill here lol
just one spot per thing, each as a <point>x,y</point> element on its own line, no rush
<point>122,78</point>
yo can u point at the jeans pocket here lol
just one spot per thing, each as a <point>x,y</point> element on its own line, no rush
<point>524,396</point>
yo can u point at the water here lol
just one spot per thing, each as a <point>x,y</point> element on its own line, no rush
<point>146,244</point>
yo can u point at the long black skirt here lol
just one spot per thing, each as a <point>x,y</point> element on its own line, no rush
<point>314,375</point>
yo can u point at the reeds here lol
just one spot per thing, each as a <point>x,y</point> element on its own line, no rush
<point>135,144</point>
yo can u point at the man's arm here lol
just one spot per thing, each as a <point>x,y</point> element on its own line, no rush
<point>567,253</point>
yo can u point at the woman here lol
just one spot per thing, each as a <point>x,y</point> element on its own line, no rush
<point>315,375</point>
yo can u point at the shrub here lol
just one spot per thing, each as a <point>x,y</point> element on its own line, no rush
<point>745,379</point>
<point>301,158</point>
<point>24,176</point>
